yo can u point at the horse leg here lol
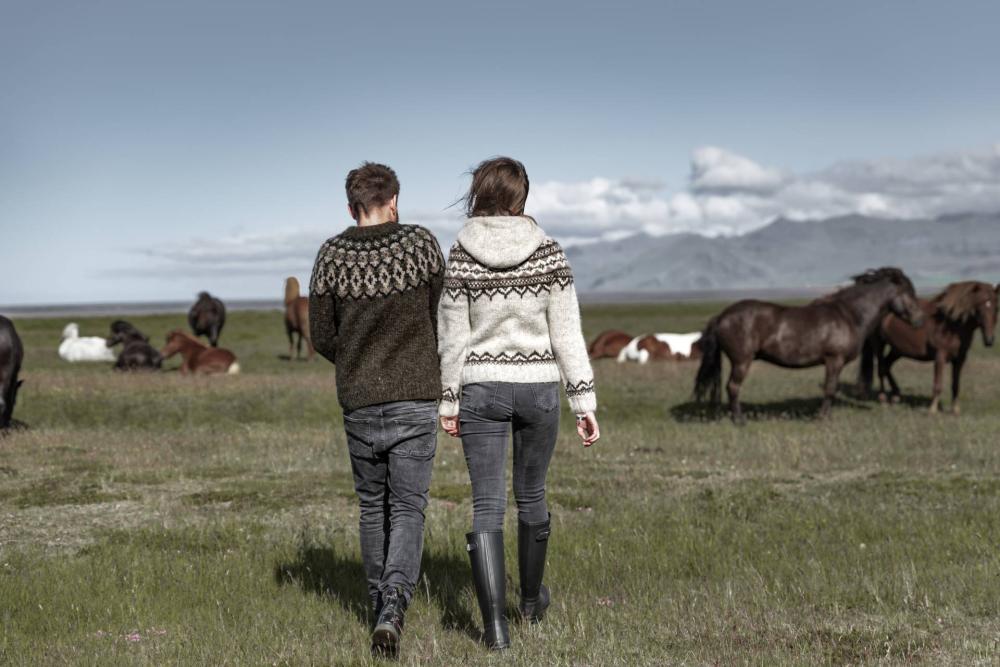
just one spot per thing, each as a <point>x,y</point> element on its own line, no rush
<point>291,340</point>
<point>737,375</point>
<point>298,349</point>
<point>956,379</point>
<point>833,367</point>
<point>894,386</point>
<point>939,362</point>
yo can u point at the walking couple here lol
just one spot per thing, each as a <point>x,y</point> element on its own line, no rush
<point>481,343</point>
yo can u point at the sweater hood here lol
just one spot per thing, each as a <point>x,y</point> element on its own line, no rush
<point>501,242</point>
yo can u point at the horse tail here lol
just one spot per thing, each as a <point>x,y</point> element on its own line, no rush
<point>234,368</point>
<point>708,383</point>
<point>866,369</point>
<point>291,289</point>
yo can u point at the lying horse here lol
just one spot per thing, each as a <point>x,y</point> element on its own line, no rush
<point>297,318</point>
<point>11,357</point>
<point>662,346</point>
<point>829,331</point>
<point>73,348</point>
<point>608,344</point>
<point>207,317</point>
<point>952,318</point>
<point>198,357</point>
<point>137,354</point>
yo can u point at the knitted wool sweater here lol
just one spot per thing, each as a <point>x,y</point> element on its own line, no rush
<point>373,301</point>
<point>509,313</point>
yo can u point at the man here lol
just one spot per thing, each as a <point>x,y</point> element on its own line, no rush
<point>373,302</point>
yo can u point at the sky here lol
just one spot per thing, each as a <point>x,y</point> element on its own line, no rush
<point>151,150</point>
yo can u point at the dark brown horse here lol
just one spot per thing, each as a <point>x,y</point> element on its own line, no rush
<point>297,318</point>
<point>137,354</point>
<point>608,344</point>
<point>11,357</point>
<point>198,357</point>
<point>829,332</point>
<point>207,317</point>
<point>952,318</point>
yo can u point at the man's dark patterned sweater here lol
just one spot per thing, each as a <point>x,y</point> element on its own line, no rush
<point>373,302</point>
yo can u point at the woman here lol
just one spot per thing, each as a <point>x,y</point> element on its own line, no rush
<point>509,329</point>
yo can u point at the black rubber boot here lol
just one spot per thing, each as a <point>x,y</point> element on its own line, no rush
<point>490,579</point>
<point>532,543</point>
<point>389,625</point>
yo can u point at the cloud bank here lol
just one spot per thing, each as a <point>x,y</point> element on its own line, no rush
<point>726,194</point>
<point>729,193</point>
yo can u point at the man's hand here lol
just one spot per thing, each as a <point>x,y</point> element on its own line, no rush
<point>587,428</point>
<point>450,425</point>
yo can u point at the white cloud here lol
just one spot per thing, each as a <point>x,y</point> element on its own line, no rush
<point>726,193</point>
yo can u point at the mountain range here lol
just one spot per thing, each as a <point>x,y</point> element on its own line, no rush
<point>788,254</point>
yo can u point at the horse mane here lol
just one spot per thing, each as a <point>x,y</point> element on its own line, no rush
<point>291,289</point>
<point>869,277</point>
<point>958,301</point>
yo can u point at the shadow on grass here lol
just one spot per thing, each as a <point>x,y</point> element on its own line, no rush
<point>792,408</point>
<point>854,392</point>
<point>323,572</point>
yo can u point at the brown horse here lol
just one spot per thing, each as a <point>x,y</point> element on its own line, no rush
<point>198,357</point>
<point>608,344</point>
<point>829,332</point>
<point>297,318</point>
<point>657,349</point>
<point>945,337</point>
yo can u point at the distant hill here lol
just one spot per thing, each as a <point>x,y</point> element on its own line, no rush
<point>788,254</point>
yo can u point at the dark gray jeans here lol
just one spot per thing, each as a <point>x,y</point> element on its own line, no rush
<point>392,448</point>
<point>489,410</point>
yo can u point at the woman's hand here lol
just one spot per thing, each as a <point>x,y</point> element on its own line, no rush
<point>450,425</point>
<point>587,427</point>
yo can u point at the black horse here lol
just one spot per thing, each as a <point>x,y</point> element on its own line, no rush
<point>828,332</point>
<point>11,357</point>
<point>137,354</point>
<point>207,316</point>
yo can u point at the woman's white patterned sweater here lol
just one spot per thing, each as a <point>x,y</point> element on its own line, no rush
<point>509,313</point>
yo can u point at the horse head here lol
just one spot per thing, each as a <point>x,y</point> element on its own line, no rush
<point>904,302</point>
<point>291,289</point>
<point>176,340</point>
<point>72,330</point>
<point>970,301</point>
<point>989,297</point>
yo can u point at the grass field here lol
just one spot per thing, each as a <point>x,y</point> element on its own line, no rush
<point>156,519</point>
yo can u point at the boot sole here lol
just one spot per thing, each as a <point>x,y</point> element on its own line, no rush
<point>385,642</point>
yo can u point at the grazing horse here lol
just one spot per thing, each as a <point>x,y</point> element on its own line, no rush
<point>608,344</point>
<point>829,332</point>
<point>137,354</point>
<point>198,357</point>
<point>207,317</point>
<point>952,318</point>
<point>11,357</point>
<point>73,348</point>
<point>297,318</point>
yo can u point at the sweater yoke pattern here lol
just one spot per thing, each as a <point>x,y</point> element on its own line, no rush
<point>545,269</point>
<point>371,268</point>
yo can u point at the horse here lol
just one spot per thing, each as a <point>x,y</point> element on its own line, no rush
<point>608,344</point>
<point>829,331</point>
<point>297,318</point>
<point>662,346</point>
<point>198,357</point>
<point>207,317</point>
<point>643,348</point>
<point>952,318</point>
<point>137,353</point>
<point>11,358</point>
<point>73,348</point>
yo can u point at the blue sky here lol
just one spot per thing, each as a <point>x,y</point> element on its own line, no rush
<point>149,150</point>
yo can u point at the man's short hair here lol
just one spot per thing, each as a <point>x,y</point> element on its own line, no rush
<point>369,186</point>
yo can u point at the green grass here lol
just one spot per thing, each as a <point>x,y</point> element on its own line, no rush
<point>155,519</point>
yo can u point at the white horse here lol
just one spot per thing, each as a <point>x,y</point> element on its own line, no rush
<point>75,348</point>
<point>679,344</point>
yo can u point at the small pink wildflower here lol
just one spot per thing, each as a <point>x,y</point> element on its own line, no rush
<point>134,637</point>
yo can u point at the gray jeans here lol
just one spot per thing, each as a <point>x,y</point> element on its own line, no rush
<point>489,410</point>
<point>392,448</point>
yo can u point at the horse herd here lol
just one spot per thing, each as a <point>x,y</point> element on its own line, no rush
<point>877,318</point>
